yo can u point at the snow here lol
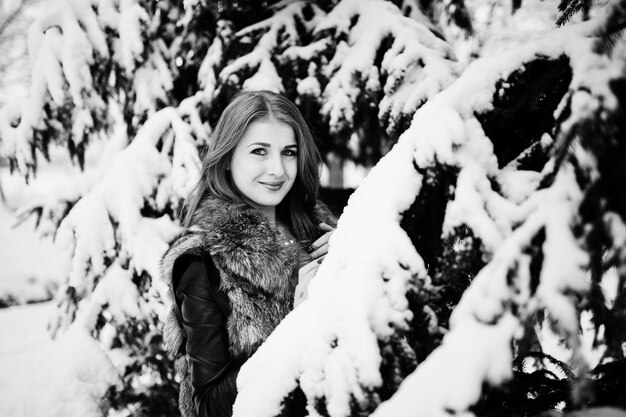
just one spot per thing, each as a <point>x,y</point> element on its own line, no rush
<point>118,181</point>
<point>498,30</point>
<point>63,42</point>
<point>116,293</point>
<point>421,65</point>
<point>69,376</point>
<point>517,185</point>
<point>207,72</point>
<point>16,67</point>
<point>563,272</point>
<point>265,78</point>
<point>31,267</point>
<point>110,213</point>
<point>618,230</point>
<point>450,380</point>
<point>310,86</point>
<point>279,32</point>
<point>553,210</point>
<point>132,17</point>
<point>64,386</point>
<point>306,52</point>
<point>25,343</point>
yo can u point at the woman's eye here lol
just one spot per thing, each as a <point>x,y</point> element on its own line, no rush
<point>260,151</point>
<point>290,152</point>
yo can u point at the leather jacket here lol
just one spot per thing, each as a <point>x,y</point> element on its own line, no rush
<point>204,308</point>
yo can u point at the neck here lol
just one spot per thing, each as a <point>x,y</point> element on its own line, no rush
<point>270,213</point>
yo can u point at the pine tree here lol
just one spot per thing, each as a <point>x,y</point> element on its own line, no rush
<point>498,226</point>
<point>110,77</point>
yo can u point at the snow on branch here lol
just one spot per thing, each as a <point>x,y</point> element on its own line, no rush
<point>488,318</point>
<point>270,36</point>
<point>80,371</point>
<point>381,53</point>
<point>112,220</point>
<point>502,296</point>
<point>80,49</point>
<point>213,60</point>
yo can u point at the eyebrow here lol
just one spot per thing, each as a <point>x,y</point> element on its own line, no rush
<point>267,145</point>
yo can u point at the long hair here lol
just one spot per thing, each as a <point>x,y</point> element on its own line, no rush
<point>297,208</point>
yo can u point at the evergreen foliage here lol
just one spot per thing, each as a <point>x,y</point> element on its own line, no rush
<point>569,8</point>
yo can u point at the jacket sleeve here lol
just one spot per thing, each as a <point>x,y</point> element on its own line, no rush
<point>212,371</point>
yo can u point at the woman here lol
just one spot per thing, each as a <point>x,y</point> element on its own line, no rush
<point>248,225</point>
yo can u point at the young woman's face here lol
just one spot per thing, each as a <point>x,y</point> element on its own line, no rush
<point>264,164</point>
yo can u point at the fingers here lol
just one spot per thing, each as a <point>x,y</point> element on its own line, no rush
<point>322,250</point>
<point>320,246</point>
<point>322,240</point>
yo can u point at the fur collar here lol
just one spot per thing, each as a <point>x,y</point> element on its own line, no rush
<point>240,236</point>
<point>242,240</point>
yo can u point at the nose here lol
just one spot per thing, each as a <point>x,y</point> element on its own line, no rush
<point>275,166</point>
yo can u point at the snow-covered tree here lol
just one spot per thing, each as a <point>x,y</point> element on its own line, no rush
<point>103,86</point>
<point>505,223</point>
<point>132,87</point>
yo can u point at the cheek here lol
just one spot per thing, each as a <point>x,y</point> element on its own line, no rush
<point>241,168</point>
<point>238,175</point>
<point>293,169</point>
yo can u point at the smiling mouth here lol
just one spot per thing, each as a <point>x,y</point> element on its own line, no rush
<point>273,186</point>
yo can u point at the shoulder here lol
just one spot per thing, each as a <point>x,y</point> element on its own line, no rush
<point>191,270</point>
<point>190,276</point>
<point>185,266</point>
<point>196,276</point>
<point>183,249</point>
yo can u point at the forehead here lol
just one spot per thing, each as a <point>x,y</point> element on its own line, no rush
<point>269,131</point>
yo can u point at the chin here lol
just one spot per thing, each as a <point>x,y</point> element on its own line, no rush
<point>270,202</point>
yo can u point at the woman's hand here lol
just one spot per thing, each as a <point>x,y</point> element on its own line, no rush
<point>308,271</point>
<point>305,275</point>
<point>320,246</point>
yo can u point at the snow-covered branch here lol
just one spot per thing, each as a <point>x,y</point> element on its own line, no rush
<point>74,61</point>
<point>378,56</point>
<point>257,69</point>
<point>108,222</point>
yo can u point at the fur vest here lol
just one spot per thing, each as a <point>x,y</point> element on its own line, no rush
<point>258,272</point>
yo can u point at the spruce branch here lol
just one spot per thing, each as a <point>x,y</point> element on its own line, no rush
<point>569,8</point>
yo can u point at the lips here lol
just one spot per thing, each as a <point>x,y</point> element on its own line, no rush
<point>272,186</point>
